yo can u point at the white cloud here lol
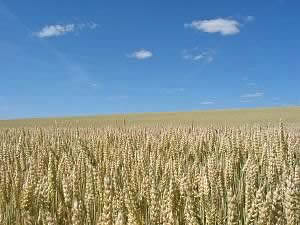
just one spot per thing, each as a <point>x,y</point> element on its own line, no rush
<point>198,56</point>
<point>55,30</point>
<point>254,95</point>
<point>219,25</point>
<point>141,54</point>
<point>207,103</point>
<point>59,29</point>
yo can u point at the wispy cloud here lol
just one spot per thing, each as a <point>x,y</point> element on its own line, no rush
<point>219,25</point>
<point>141,54</point>
<point>62,29</point>
<point>249,18</point>
<point>198,56</point>
<point>245,101</point>
<point>55,30</point>
<point>90,25</point>
<point>253,95</point>
<point>93,84</point>
<point>207,103</point>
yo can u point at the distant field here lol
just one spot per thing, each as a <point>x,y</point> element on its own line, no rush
<point>290,116</point>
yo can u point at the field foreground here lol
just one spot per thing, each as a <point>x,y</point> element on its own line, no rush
<point>179,175</point>
<point>183,173</point>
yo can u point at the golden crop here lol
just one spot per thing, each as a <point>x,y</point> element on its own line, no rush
<point>140,175</point>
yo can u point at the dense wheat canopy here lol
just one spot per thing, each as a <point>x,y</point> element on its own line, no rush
<point>179,174</point>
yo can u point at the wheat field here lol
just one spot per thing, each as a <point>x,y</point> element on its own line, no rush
<point>237,117</point>
<point>153,169</point>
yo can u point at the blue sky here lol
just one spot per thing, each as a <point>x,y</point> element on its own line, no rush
<point>66,57</point>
